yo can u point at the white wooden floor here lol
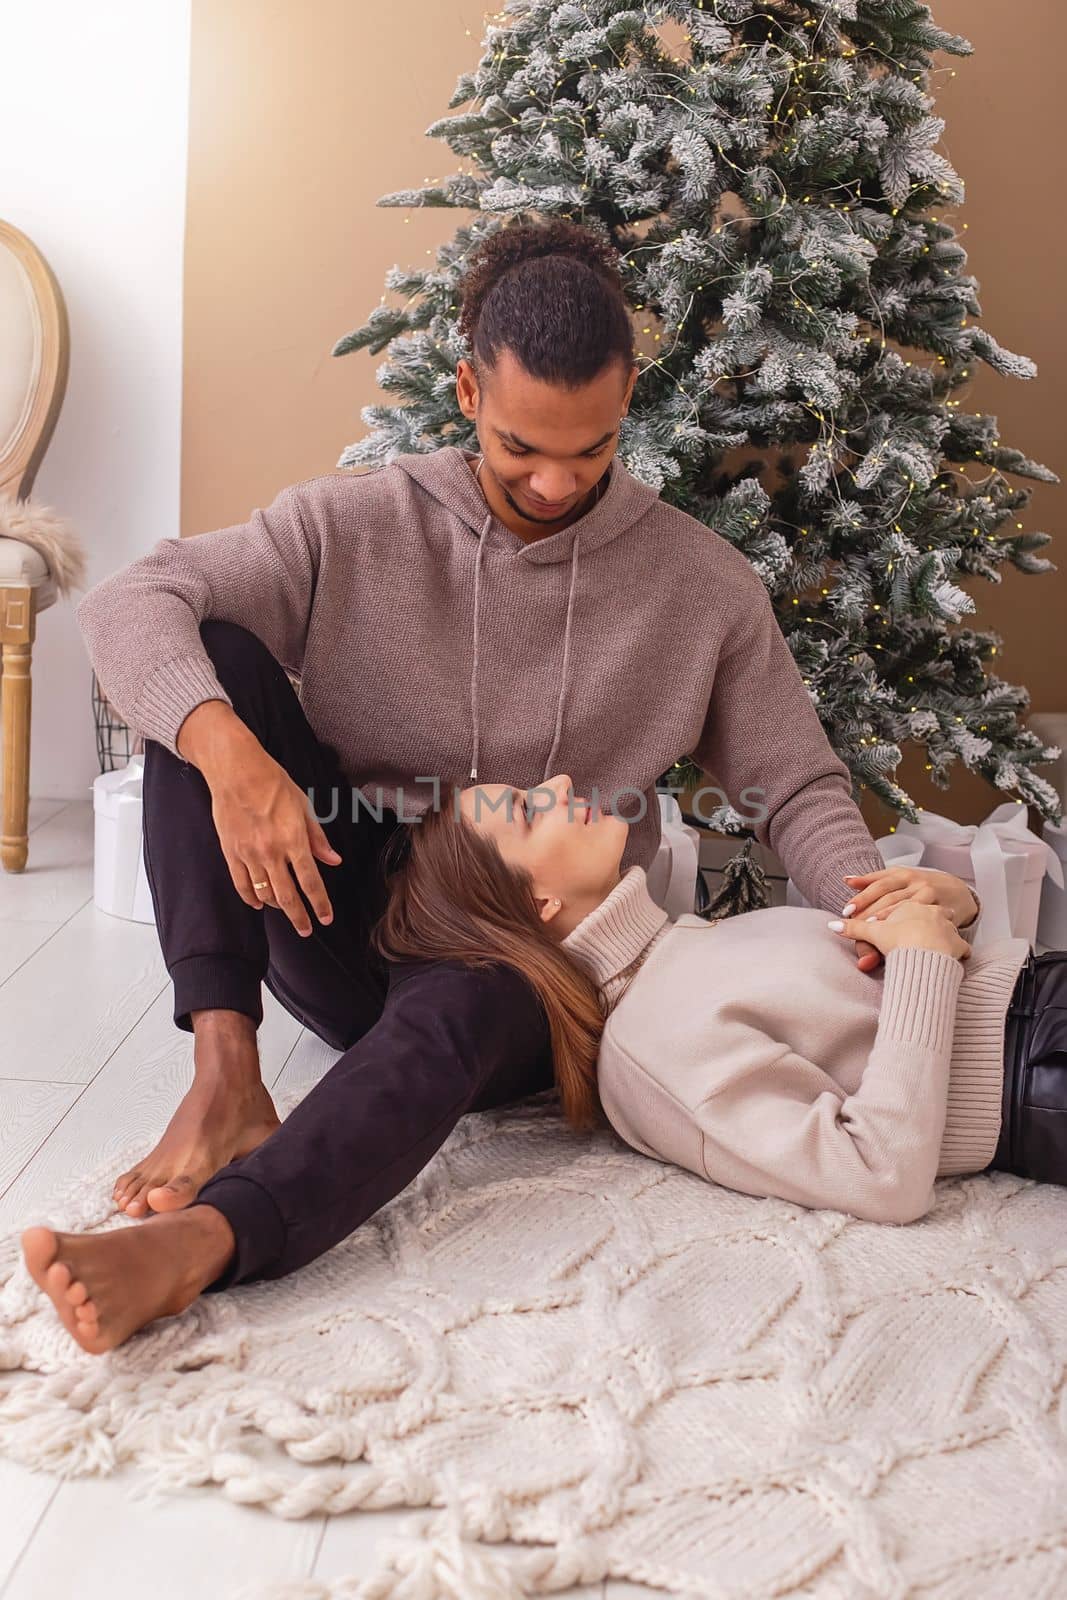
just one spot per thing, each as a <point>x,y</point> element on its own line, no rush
<point>90,1060</point>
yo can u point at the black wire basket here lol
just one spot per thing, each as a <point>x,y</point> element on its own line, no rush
<point>115,741</point>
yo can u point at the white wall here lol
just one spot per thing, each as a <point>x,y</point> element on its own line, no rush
<point>93,140</point>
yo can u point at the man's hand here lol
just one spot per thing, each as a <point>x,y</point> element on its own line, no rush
<point>268,832</point>
<point>264,822</point>
<point>874,894</point>
<point>868,957</point>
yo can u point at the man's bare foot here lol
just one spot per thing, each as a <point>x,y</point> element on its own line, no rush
<point>227,1113</point>
<point>105,1286</point>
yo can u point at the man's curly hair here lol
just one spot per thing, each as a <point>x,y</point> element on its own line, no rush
<point>551,293</point>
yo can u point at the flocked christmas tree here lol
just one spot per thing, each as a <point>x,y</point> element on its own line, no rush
<point>767,170</point>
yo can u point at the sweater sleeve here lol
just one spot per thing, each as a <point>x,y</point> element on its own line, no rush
<point>763,734</point>
<point>783,1127</point>
<point>141,625</point>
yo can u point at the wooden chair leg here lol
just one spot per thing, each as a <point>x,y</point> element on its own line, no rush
<point>17,624</point>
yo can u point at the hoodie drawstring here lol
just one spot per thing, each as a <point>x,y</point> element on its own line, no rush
<point>566,653</point>
<point>474,667</point>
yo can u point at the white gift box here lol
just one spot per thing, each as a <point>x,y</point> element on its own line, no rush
<point>1052,920</point>
<point>1002,860</point>
<point>671,879</point>
<point>120,886</point>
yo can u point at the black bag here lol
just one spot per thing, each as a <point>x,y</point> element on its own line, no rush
<point>1033,1134</point>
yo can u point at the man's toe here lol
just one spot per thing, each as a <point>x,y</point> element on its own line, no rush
<point>39,1249</point>
<point>137,1203</point>
<point>172,1196</point>
<point>134,1179</point>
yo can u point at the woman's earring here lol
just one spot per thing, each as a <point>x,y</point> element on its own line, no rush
<point>556,902</point>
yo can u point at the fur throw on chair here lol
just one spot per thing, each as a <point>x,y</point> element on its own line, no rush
<point>38,525</point>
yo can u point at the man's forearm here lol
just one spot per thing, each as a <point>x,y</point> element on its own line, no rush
<point>212,737</point>
<point>819,835</point>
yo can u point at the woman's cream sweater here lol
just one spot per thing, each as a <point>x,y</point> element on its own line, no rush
<point>754,1052</point>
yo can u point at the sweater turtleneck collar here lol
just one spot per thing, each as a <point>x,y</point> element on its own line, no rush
<point>618,934</point>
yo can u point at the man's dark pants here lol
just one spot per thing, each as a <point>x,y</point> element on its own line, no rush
<point>424,1042</point>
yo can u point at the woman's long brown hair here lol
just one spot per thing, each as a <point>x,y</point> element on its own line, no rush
<point>452,896</point>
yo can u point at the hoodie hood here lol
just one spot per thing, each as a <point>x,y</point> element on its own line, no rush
<point>447,475</point>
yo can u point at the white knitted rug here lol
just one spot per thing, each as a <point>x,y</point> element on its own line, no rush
<point>635,1373</point>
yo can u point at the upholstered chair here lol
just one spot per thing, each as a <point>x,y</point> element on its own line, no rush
<point>34,355</point>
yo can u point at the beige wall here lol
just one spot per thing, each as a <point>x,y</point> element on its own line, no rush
<point>302,114</point>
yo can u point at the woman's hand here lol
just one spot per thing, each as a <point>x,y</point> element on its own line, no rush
<point>876,893</point>
<point>910,924</point>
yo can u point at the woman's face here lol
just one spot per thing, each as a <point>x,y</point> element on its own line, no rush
<point>571,849</point>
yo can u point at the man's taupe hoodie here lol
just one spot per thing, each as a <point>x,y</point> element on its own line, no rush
<point>433,642</point>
